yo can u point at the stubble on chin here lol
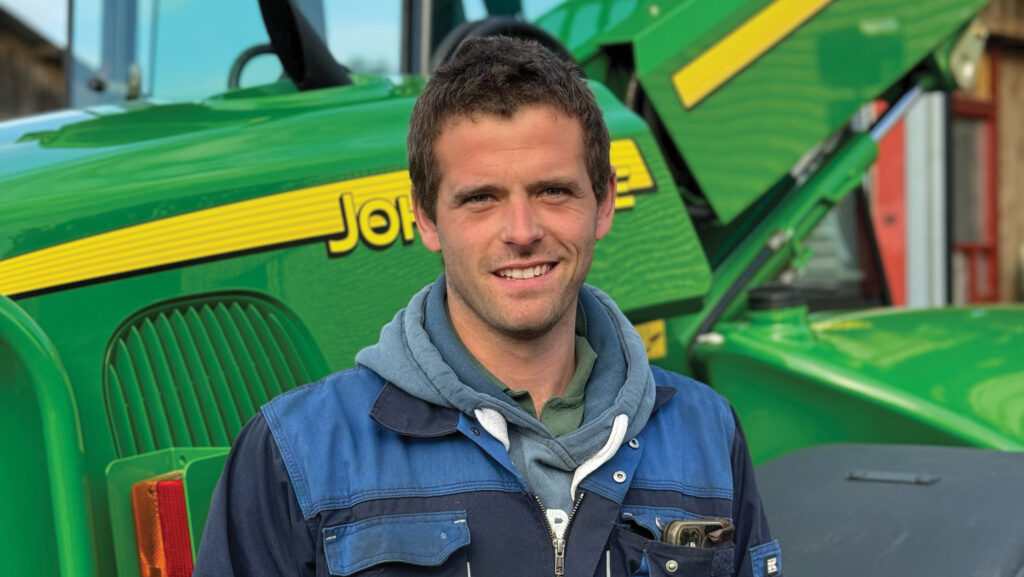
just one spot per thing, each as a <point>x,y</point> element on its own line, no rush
<point>505,320</point>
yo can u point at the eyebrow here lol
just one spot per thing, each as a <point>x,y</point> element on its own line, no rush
<point>570,183</point>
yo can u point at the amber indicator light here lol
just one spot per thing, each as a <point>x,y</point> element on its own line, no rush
<point>161,527</point>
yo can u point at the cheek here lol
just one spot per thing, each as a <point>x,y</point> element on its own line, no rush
<point>467,235</point>
<point>580,234</point>
<point>455,249</point>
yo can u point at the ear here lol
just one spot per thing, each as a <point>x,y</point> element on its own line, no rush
<point>606,208</point>
<point>427,227</point>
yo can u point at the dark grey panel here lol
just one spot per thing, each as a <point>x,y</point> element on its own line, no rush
<point>891,510</point>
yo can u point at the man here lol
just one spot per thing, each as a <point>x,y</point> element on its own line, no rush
<point>507,423</point>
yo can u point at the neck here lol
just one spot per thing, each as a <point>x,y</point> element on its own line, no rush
<point>542,366</point>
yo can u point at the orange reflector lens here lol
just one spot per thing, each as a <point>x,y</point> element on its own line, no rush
<point>161,527</point>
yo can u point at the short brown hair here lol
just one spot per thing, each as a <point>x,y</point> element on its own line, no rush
<point>499,75</point>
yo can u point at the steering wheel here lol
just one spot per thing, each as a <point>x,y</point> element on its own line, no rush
<point>235,76</point>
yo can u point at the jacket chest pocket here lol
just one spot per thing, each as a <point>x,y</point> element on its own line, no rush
<point>636,548</point>
<point>639,556</point>
<point>663,560</point>
<point>397,545</point>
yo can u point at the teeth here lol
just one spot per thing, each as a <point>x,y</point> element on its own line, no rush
<point>524,273</point>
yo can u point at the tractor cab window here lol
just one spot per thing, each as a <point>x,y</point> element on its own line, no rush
<point>181,50</point>
<point>365,36</point>
<point>184,50</point>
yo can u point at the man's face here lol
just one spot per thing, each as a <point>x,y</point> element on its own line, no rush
<point>517,220</point>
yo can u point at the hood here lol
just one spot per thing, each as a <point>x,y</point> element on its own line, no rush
<point>621,381</point>
<point>967,360</point>
<point>75,174</point>
<point>958,372</point>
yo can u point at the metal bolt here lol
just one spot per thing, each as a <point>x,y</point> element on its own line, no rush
<point>671,565</point>
<point>634,444</point>
<point>619,476</point>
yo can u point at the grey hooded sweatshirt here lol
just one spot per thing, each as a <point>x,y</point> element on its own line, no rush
<point>419,353</point>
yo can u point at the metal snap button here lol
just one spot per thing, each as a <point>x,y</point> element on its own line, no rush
<point>671,565</point>
<point>475,431</point>
<point>634,444</point>
<point>619,476</point>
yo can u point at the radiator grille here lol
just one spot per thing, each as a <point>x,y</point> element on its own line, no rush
<point>191,374</point>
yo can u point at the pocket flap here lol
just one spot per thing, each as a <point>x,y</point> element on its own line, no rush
<point>766,560</point>
<point>426,539</point>
<point>654,519</point>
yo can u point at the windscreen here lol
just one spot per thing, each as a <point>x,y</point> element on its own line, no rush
<point>184,50</point>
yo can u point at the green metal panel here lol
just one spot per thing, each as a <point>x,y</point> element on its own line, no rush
<point>784,410</point>
<point>49,479</point>
<point>123,473</point>
<point>744,136</point>
<point>876,376</point>
<point>750,131</point>
<point>200,478</point>
<point>152,161</point>
<point>911,350</point>
<point>191,373</point>
<point>24,474</point>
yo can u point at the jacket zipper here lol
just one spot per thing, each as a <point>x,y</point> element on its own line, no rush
<point>559,542</point>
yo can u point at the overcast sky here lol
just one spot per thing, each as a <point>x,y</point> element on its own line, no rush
<point>47,17</point>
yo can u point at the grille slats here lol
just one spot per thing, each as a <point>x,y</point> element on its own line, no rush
<point>243,360</point>
<point>211,411</point>
<point>239,394</point>
<point>155,411</point>
<point>223,398</point>
<point>133,397</point>
<point>191,407</point>
<point>118,414</point>
<point>291,356</point>
<point>166,385</point>
<point>265,373</point>
<point>274,355</point>
<point>192,373</point>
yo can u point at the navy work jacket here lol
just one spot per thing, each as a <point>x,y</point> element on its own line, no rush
<point>353,476</point>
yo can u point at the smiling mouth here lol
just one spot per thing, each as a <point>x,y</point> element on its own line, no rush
<point>524,273</point>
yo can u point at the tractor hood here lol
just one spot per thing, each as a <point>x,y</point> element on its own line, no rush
<point>956,372</point>
<point>966,360</point>
<point>75,174</point>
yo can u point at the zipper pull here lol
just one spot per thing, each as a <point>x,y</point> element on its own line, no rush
<point>559,556</point>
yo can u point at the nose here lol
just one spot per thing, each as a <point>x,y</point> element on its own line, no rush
<point>521,225</point>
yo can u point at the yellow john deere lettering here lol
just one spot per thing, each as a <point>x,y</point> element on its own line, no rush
<point>633,175</point>
<point>727,57</point>
<point>375,209</point>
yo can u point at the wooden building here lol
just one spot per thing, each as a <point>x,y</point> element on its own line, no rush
<point>948,189</point>
<point>1003,93</point>
<point>32,78</point>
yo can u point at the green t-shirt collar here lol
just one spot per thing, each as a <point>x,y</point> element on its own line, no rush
<point>562,414</point>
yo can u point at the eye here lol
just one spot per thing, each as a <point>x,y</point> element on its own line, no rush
<point>554,191</point>
<point>479,198</point>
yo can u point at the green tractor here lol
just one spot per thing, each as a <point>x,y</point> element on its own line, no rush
<point>173,255</point>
